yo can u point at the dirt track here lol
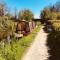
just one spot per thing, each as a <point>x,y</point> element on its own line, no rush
<point>38,50</point>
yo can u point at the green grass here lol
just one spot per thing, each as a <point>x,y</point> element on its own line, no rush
<point>16,49</point>
<point>25,42</point>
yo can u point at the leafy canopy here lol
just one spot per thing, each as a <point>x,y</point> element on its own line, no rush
<point>26,15</point>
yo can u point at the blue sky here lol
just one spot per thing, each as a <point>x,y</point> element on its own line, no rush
<point>34,5</point>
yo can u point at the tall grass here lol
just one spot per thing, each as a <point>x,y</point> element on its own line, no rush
<point>53,42</point>
<point>16,49</point>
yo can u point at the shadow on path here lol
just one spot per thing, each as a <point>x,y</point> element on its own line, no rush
<point>53,43</point>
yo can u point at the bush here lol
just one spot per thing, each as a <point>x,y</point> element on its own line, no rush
<point>53,42</point>
<point>16,49</point>
<point>6,27</point>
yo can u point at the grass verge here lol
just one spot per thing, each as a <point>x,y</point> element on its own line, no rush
<point>16,49</point>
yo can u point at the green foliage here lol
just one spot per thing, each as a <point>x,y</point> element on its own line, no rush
<point>26,15</point>
<point>48,15</point>
<point>53,41</point>
<point>51,13</point>
<point>45,14</point>
<point>1,58</point>
<point>16,49</point>
<point>6,27</point>
<point>53,16</point>
<point>56,25</point>
<point>38,23</point>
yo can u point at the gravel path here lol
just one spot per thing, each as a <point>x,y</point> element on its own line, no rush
<point>38,50</point>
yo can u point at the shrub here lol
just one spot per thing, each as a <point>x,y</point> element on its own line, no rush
<point>16,49</point>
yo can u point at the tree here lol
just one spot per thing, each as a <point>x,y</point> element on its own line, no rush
<point>26,15</point>
<point>57,6</point>
<point>51,13</point>
<point>58,16</point>
<point>6,28</point>
<point>3,9</point>
<point>6,25</point>
<point>53,16</point>
<point>45,14</point>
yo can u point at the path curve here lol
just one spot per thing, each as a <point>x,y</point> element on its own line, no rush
<point>38,50</point>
